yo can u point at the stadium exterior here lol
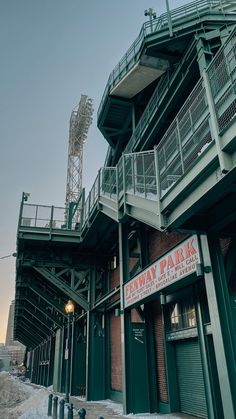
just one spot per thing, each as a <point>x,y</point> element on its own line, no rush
<point>151,264</point>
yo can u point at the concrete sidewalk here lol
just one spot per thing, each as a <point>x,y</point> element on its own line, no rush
<point>109,409</point>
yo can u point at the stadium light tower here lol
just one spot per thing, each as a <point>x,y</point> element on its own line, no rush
<point>80,121</point>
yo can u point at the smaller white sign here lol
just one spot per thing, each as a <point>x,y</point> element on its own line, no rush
<point>66,353</point>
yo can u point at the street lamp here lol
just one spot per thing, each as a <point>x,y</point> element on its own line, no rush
<point>69,309</point>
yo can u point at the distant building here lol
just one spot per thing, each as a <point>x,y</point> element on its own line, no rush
<point>10,326</point>
<point>4,359</point>
<point>13,348</point>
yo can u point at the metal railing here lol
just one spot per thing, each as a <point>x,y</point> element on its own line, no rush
<point>133,54</point>
<point>185,139</point>
<point>108,182</point>
<point>140,174</point>
<point>151,174</point>
<point>42,216</point>
<point>222,77</point>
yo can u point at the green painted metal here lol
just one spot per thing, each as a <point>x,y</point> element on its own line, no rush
<point>73,207</point>
<point>96,359</point>
<point>42,320</point>
<point>58,358</point>
<point>217,301</point>
<point>213,373</point>
<point>230,259</point>
<point>224,158</point>
<point>49,380</point>
<point>38,332</point>
<point>203,352</point>
<point>62,287</point>
<point>53,303</point>
<point>138,369</point>
<point>39,308</point>
<point>171,372</point>
<point>181,15</point>
<point>152,381</point>
<point>78,382</point>
<point>190,378</point>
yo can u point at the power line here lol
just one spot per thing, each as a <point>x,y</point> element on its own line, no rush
<point>8,256</point>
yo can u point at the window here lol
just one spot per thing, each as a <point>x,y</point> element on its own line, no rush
<point>182,315</point>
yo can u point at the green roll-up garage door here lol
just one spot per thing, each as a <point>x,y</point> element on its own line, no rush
<point>190,378</point>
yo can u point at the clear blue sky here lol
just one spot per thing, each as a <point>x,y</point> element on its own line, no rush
<point>51,52</point>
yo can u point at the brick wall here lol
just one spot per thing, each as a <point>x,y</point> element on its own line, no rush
<point>116,370</point>
<point>160,243</point>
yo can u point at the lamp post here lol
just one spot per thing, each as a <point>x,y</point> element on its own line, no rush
<point>69,309</point>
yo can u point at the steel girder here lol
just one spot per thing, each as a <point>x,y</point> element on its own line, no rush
<point>66,289</point>
<point>50,316</point>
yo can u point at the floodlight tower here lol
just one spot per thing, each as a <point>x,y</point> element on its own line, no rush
<point>80,121</point>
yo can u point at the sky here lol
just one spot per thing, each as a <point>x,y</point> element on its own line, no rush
<point>51,52</point>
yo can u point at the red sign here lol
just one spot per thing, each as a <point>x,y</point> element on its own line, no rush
<point>175,265</point>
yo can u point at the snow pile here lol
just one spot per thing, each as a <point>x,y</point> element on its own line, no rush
<point>19,400</point>
<point>36,405</point>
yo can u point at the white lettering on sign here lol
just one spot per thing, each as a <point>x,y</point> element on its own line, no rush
<point>175,265</point>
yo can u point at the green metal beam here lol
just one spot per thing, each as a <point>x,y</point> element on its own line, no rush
<point>42,320</point>
<point>26,340</point>
<point>46,297</point>
<point>230,259</point>
<point>43,311</point>
<point>34,326</point>
<point>220,322</point>
<point>33,337</point>
<point>53,279</point>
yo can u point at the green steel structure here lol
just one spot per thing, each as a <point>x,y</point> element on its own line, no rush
<point>150,263</point>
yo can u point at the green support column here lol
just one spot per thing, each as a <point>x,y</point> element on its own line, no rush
<point>124,276</point>
<point>58,359</point>
<point>171,373</point>
<point>95,348</point>
<point>225,158</point>
<point>202,344</point>
<point>144,256</point>
<point>90,326</point>
<point>215,281</point>
<point>39,379</point>
<point>34,366</point>
<point>72,353</point>
<point>204,53</point>
<point>51,361</point>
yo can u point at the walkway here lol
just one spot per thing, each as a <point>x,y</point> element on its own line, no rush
<point>108,410</point>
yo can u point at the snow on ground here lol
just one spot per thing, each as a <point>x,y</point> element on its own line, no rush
<point>18,400</point>
<point>22,400</point>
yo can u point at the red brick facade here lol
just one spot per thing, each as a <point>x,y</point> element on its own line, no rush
<point>116,370</point>
<point>160,243</point>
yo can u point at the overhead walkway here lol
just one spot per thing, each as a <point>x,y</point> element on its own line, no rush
<point>192,166</point>
<point>187,182</point>
<point>151,56</point>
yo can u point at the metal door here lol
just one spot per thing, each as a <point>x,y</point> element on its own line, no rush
<point>190,378</point>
